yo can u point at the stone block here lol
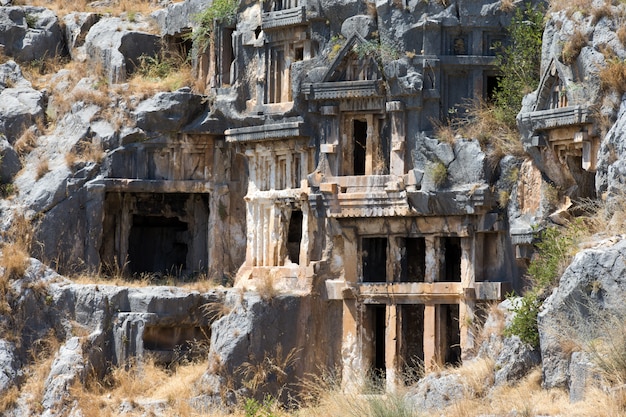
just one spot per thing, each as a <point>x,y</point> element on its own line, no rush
<point>334,289</point>
<point>328,148</point>
<point>329,187</point>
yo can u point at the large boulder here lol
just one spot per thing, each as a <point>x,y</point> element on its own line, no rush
<point>19,108</point>
<point>256,333</point>
<point>9,162</point>
<point>77,27</point>
<point>117,45</point>
<point>169,112</point>
<point>590,294</point>
<point>30,33</point>
<point>178,17</point>
<point>437,391</point>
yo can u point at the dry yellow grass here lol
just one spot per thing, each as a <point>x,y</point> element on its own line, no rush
<point>26,142</point>
<point>85,152</point>
<point>117,7</point>
<point>573,46</point>
<point>43,168</point>
<point>42,354</point>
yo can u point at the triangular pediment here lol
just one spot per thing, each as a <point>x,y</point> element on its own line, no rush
<point>353,62</point>
<point>551,93</point>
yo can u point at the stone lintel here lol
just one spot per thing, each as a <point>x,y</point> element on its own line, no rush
<point>416,291</point>
<point>394,106</point>
<point>275,131</point>
<point>283,18</point>
<point>155,186</point>
<point>333,90</point>
<point>492,291</point>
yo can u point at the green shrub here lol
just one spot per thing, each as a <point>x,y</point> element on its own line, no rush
<point>221,11</point>
<point>519,62</point>
<point>255,408</point>
<point>554,252</point>
<point>439,173</point>
<point>524,323</point>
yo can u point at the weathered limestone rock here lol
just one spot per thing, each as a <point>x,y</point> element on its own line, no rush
<point>515,361</point>
<point>611,166</point>
<point>437,391</point>
<point>583,373</point>
<point>30,33</point>
<point>589,295</point>
<point>117,45</point>
<point>11,76</point>
<point>9,368</point>
<point>169,112</point>
<point>361,24</point>
<point>9,161</point>
<point>178,17</point>
<point>77,25</point>
<point>68,366</point>
<point>252,332</point>
<point>20,107</point>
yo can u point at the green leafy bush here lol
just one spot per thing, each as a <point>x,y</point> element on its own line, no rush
<point>524,323</point>
<point>519,62</point>
<point>221,11</point>
<point>439,173</point>
<point>554,253</point>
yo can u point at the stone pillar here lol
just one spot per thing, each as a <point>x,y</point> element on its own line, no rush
<point>431,274</point>
<point>331,138</point>
<point>467,304</point>
<point>391,347</point>
<point>352,344</point>
<point>371,148</point>
<point>430,336</point>
<point>126,223</point>
<point>398,138</point>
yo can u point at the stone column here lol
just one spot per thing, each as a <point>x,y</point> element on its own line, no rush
<point>430,336</point>
<point>398,137</point>
<point>351,344</point>
<point>391,347</point>
<point>467,303</point>
<point>431,273</point>
<point>330,147</point>
<point>371,148</point>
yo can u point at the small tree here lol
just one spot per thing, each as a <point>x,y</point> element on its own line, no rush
<point>519,61</point>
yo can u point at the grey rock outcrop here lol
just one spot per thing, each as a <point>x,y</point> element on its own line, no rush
<point>9,161</point>
<point>254,332</point>
<point>9,366</point>
<point>515,361</point>
<point>435,391</point>
<point>68,367</point>
<point>589,296</point>
<point>77,26</point>
<point>117,45</point>
<point>20,107</point>
<point>169,112</point>
<point>30,33</point>
<point>178,17</point>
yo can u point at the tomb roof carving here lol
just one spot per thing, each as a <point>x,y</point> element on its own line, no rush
<point>266,132</point>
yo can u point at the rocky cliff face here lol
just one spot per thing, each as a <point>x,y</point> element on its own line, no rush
<point>304,161</point>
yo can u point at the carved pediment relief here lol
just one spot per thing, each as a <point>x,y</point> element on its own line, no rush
<point>354,62</point>
<point>552,91</point>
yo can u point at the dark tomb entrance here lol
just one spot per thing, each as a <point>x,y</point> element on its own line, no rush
<point>294,236</point>
<point>359,131</point>
<point>157,244</point>
<point>412,341</point>
<point>374,255</point>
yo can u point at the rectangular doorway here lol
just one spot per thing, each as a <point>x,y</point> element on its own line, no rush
<point>374,259</point>
<point>412,341</point>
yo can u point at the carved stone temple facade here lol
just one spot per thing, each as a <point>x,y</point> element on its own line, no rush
<point>316,169</point>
